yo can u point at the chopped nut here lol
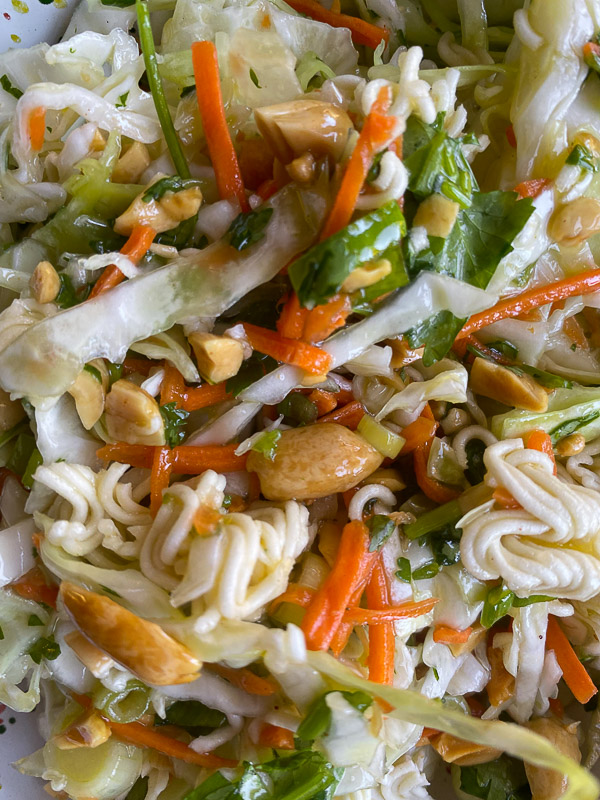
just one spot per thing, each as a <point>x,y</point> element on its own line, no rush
<point>546,784</point>
<point>90,730</point>
<point>437,214</point>
<point>132,415</point>
<point>302,169</point>
<point>132,164</point>
<point>98,142</point>
<point>402,354</point>
<point>218,357</point>
<point>139,645</point>
<point>499,383</point>
<point>44,282</point>
<point>11,411</point>
<point>314,461</point>
<point>575,222</point>
<point>90,656</point>
<point>361,277</point>
<point>89,392</point>
<point>299,126</point>
<point>477,634</point>
<point>501,685</point>
<point>162,215</point>
<point>390,478</point>
<point>571,445</point>
<point>462,753</point>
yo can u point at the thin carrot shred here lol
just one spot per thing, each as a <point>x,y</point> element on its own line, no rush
<point>245,679</point>
<point>276,737</point>
<point>418,433</point>
<point>541,441</point>
<point>37,128</point>
<point>442,634</point>
<point>367,616</point>
<point>204,396</point>
<point>581,284</point>
<point>135,247</point>
<point>435,490</point>
<point>218,139</point>
<point>292,318</point>
<point>574,673</point>
<point>323,320</point>
<point>187,459</point>
<point>33,586</point>
<point>290,351</point>
<point>324,401</point>
<point>505,499</point>
<point>349,415</point>
<point>295,593</point>
<point>380,660</point>
<point>362,32</point>
<point>162,460</point>
<point>532,188</point>
<point>375,135</point>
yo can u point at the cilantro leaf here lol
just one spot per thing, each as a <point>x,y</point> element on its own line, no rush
<point>437,333</point>
<point>318,717</point>
<point>380,529</point>
<point>580,156</point>
<point>170,184</point>
<point>45,647</point>
<point>248,228</point>
<point>68,296</point>
<point>502,779</point>
<point>122,100</point>
<point>174,420</point>
<point>498,602</point>
<point>9,87</point>
<point>193,716</point>
<point>404,571</point>
<point>254,79</point>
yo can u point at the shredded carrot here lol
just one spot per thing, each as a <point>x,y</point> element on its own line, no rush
<point>204,396</point>
<point>206,520</point>
<point>218,139</point>
<point>427,413</point>
<point>135,247</point>
<point>141,365</point>
<point>581,284</point>
<point>187,459</point>
<point>295,593</point>
<point>324,401</point>
<point>349,415</point>
<point>245,679</point>
<point>276,737</point>
<point>532,187</point>
<point>501,685</point>
<point>367,616</point>
<point>37,128</point>
<point>442,634</point>
<point>323,320</point>
<point>349,575</point>
<point>162,459</point>
<point>505,499</point>
<point>380,659</point>
<point>376,133</point>
<point>267,189</point>
<point>574,673</point>
<point>540,440</point>
<point>362,32</point>
<point>418,433</point>
<point>435,490</point>
<point>510,136</point>
<point>292,318</point>
<point>290,351</point>
<point>575,333</point>
<point>33,586</point>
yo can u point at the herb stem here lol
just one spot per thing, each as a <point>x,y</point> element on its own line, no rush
<point>157,91</point>
<point>433,520</point>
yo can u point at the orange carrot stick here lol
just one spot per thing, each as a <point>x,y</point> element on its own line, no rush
<point>532,188</point>
<point>541,441</point>
<point>276,737</point>
<point>324,401</point>
<point>380,660</point>
<point>33,586</point>
<point>187,459</point>
<point>204,396</point>
<point>135,247</point>
<point>574,673</point>
<point>292,318</point>
<point>162,460</point>
<point>212,112</point>
<point>367,616</point>
<point>290,351</point>
<point>504,498</point>
<point>37,128</point>
<point>435,490</point>
<point>376,133</point>
<point>581,284</point>
<point>349,415</point>
<point>445,635</point>
<point>418,433</point>
<point>350,573</point>
<point>245,679</point>
<point>323,320</point>
<point>362,32</point>
<point>341,636</point>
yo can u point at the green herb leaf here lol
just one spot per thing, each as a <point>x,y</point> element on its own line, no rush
<point>521,602</point>
<point>298,408</point>
<point>437,333</point>
<point>34,621</point>
<point>404,572</point>
<point>319,274</point>
<point>581,156</point>
<point>502,779</point>
<point>318,717</point>
<point>21,453</point>
<point>547,379</point>
<point>174,420</point>
<point>122,100</point>
<point>434,520</point>
<point>193,716</point>
<point>428,570</point>
<point>503,348</point>
<point>571,426</point>
<point>498,602</point>
<point>248,228</point>
<point>445,545</point>
<point>45,647</point>
<point>254,79</point>
<point>68,296</point>
<point>9,87</point>
<point>476,469</point>
<point>267,444</point>
<point>380,529</point>
<point>171,184</point>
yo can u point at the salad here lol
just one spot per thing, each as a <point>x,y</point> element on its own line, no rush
<point>300,399</point>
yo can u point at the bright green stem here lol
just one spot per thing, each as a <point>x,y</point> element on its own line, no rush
<point>157,91</point>
<point>449,513</point>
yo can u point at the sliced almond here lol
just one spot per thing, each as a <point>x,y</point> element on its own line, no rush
<point>500,383</point>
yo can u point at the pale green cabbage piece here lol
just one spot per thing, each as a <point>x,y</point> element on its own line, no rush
<point>513,739</point>
<point>45,360</point>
